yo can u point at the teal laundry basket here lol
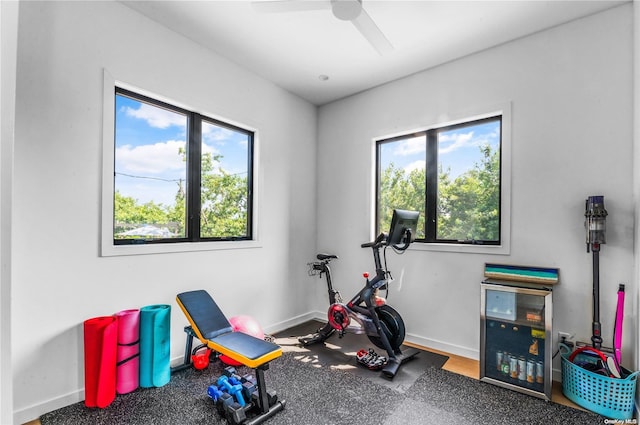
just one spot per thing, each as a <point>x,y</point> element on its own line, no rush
<point>610,397</point>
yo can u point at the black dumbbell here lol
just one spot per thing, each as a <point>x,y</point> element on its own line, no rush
<point>248,378</point>
<point>248,388</point>
<point>272,397</point>
<point>235,413</point>
<point>229,371</point>
<point>225,400</point>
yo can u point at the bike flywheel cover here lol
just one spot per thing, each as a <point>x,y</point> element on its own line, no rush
<point>338,316</point>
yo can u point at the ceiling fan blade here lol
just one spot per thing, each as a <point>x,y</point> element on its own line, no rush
<point>280,6</point>
<point>372,33</point>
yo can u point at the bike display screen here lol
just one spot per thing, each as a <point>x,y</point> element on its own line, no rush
<point>402,221</point>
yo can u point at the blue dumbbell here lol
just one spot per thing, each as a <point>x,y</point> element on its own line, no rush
<point>234,390</point>
<point>214,392</point>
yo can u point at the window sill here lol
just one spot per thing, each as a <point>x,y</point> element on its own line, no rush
<point>462,248</point>
<point>109,250</point>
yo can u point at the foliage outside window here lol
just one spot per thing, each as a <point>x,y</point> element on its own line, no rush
<point>178,176</point>
<point>451,175</point>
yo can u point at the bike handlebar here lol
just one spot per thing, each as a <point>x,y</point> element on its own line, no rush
<point>382,237</point>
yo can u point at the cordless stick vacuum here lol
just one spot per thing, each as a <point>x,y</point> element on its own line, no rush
<point>595,216</point>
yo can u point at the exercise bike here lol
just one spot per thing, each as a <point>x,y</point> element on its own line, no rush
<point>382,324</point>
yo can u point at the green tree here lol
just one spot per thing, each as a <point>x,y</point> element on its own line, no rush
<point>467,207</point>
<point>224,199</point>
<point>129,214</point>
<point>224,205</point>
<point>401,191</point>
<point>176,214</point>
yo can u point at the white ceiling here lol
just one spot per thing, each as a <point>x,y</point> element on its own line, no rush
<point>293,49</point>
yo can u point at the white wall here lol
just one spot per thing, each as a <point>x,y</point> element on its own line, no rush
<point>59,278</point>
<point>570,88</point>
<point>9,40</point>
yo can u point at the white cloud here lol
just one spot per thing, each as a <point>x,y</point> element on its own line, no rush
<point>151,160</point>
<point>410,146</point>
<point>157,117</point>
<point>221,136</point>
<point>213,133</point>
<point>455,141</point>
<point>415,165</point>
<point>209,149</point>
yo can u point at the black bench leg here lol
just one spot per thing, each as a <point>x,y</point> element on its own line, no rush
<point>266,410</point>
<point>263,397</point>
<point>187,351</point>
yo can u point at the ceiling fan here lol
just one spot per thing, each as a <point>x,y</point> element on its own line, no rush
<point>346,10</point>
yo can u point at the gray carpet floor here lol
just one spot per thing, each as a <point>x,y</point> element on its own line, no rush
<point>320,391</point>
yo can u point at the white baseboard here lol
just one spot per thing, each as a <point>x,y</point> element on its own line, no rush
<point>458,350</point>
<point>294,321</point>
<point>33,412</point>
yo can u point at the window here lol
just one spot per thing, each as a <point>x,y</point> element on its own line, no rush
<point>178,176</point>
<point>451,174</point>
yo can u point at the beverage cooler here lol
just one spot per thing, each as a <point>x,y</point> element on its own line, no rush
<point>516,336</point>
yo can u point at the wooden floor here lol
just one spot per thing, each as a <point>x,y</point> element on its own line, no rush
<point>467,367</point>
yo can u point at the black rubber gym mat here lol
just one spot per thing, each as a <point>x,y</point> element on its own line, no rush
<point>340,353</point>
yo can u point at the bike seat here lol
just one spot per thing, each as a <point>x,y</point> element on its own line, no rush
<point>323,257</point>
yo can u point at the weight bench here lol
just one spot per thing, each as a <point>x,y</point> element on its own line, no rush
<point>212,328</point>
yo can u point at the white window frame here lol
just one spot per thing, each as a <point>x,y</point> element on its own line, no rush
<point>107,246</point>
<point>504,248</point>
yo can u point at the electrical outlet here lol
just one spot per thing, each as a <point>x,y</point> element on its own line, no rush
<point>566,339</point>
<point>567,336</point>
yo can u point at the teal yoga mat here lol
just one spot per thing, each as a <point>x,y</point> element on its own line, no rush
<point>155,345</point>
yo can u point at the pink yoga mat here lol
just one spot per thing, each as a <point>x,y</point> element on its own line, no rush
<point>128,358</point>
<point>100,346</point>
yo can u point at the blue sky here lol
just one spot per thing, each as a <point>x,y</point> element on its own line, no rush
<point>148,139</point>
<point>458,149</point>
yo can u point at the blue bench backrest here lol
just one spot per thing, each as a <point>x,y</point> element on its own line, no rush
<point>205,313</point>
